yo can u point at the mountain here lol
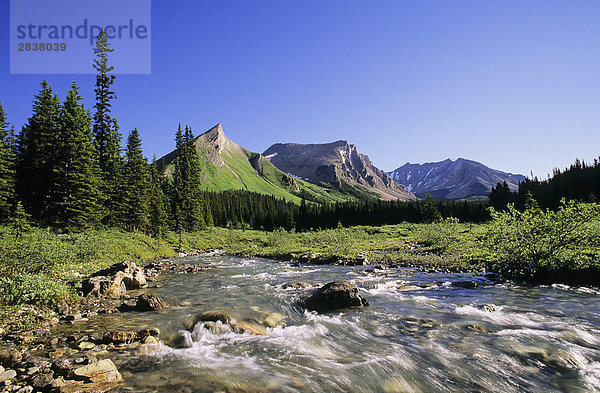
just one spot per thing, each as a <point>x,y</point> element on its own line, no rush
<point>452,179</point>
<point>338,164</point>
<point>228,166</point>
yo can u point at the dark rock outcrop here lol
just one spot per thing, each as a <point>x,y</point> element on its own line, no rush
<point>335,296</point>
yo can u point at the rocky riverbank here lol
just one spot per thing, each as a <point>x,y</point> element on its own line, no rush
<point>41,361</point>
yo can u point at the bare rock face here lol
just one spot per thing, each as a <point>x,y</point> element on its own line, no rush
<point>335,296</point>
<point>147,302</point>
<point>338,163</point>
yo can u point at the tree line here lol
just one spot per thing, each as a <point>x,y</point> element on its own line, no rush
<point>580,182</point>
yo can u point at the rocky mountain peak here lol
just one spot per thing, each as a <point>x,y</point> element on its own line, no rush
<point>337,163</point>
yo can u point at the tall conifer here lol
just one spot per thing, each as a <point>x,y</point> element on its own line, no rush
<point>36,160</point>
<point>137,184</point>
<point>7,173</point>
<point>76,178</point>
<point>102,119</point>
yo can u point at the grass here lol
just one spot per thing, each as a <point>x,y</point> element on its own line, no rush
<point>44,267</point>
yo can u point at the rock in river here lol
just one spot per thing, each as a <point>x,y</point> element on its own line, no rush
<point>147,302</point>
<point>335,296</point>
<point>102,371</point>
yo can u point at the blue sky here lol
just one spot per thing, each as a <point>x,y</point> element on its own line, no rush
<point>512,84</point>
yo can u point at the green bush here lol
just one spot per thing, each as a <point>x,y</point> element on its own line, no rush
<point>538,243</point>
<point>33,289</point>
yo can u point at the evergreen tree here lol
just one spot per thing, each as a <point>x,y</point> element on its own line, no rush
<point>102,119</point>
<point>20,221</point>
<point>36,161</point>
<point>431,212</point>
<point>137,184</point>
<point>188,200</point>
<point>158,219</point>
<point>112,176</point>
<point>76,177</point>
<point>7,161</point>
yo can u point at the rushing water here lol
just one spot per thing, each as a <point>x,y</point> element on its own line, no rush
<point>494,338</point>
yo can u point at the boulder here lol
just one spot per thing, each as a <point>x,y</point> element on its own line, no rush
<point>216,315</point>
<point>112,287</point>
<point>128,337</point>
<point>464,284</point>
<point>273,320</point>
<point>101,371</point>
<point>62,367</point>
<point>8,375</point>
<point>42,381</point>
<point>249,327</point>
<point>10,357</point>
<point>335,296</point>
<point>79,387</point>
<point>135,280</point>
<point>146,302</point>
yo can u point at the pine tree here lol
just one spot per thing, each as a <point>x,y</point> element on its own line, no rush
<point>7,172</point>
<point>137,184</point>
<point>36,161</point>
<point>102,119</point>
<point>20,221</point>
<point>76,177</point>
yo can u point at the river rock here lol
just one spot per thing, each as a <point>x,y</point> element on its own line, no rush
<point>85,345</point>
<point>146,302</point>
<point>273,320</point>
<point>101,371</point>
<point>8,375</point>
<point>80,387</point>
<point>464,284</point>
<point>119,337</point>
<point>112,287</point>
<point>249,327</point>
<point>62,367</point>
<point>216,315</point>
<point>10,357</point>
<point>296,285</point>
<point>42,381</point>
<point>335,296</point>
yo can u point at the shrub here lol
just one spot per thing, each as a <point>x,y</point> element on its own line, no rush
<point>544,243</point>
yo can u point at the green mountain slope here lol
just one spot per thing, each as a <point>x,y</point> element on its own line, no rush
<point>228,166</point>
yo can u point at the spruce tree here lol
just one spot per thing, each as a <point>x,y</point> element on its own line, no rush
<point>158,219</point>
<point>112,176</point>
<point>7,161</point>
<point>137,184</point>
<point>36,161</point>
<point>76,177</point>
<point>102,119</point>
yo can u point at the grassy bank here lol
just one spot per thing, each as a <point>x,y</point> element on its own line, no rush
<point>43,267</point>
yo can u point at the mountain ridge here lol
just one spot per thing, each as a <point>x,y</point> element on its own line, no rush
<point>338,163</point>
<point>452,179</point>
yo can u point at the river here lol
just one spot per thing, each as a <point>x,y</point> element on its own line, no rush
<point>421,333</point>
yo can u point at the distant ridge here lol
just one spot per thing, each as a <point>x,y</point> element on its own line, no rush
<point>338,163</point>
<point>452,179</point>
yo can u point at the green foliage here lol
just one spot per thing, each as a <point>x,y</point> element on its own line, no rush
<point>431,212</point>
<point>76,175</point>
<point>36,159</point>
<point>7,170</point>
<point>20,220</point>
<point>33,289</point>
<point>538,243</point>
<point>102,119</point>
<point>137,184</point>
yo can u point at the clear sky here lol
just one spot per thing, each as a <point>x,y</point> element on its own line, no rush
<point>512,84</point>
